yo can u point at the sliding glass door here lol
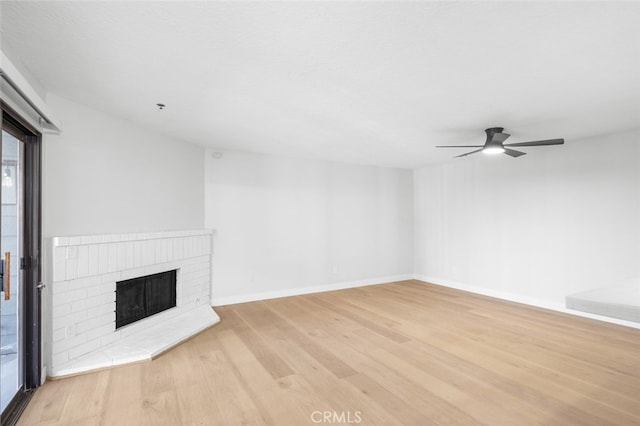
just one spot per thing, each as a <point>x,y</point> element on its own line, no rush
<point>19,265</point>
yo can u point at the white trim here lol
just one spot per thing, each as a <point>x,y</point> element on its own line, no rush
<point>252,297</point>
<point>521,299</point>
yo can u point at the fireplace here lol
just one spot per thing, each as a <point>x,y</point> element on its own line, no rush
<point>88,273</point>
<point>145,296</point>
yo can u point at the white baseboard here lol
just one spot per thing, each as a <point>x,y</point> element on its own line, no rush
<point>252,297</point>
<point>522,299</point>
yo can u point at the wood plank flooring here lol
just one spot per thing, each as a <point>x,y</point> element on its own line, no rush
<point>404,353</point>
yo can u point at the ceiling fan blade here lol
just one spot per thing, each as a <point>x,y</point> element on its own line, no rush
<point>459,146</point>
<point>513,152</point>
<point>469,153</point>
<point>500,137</point>
<point>538,143</point>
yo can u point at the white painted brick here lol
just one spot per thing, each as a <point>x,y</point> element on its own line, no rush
<point>129,256</point>
<point>69,320</point>
<point>122,257</point>
<point>60,271</point>
<point>196,246</point>
<point>71,269</point>
<point>196,249</point>
<point>58,334</point>
<point>164,251</point>
<point>104,308</point>
<point>67,344</point>
<point>59,263</point>
<point>197,274</point>
<point>60,287</point>
<point>188,290</point>
<point>83,261</point>
<point>60,310</point>
<point>188,245</point>
<point>95,322</point>
<point>177,248</point>
<point>180,248</point>
<point>112,277</point>
<point>83,283</point>
<point>79,305</point>
<point>103,259</point>
<point>137,254</point>
<point>156,250</point>
<point>108,317</point>
<point>83,349</point>
<point>111,258</point>
<point>94,259</point>
<point>168,248</point>
<point>60,298</point>
<point>108,298</point>
<point>199,246</point>
<point>101,331</point>
<point>144,254</point>
<point>60,358</point>
<point>112,264</point>
<point>92,303</point>
<point>108,287</point>
<point>75,241</point>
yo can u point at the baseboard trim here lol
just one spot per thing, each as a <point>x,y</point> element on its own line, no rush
<point>522,299</point>
<point>253,297</point>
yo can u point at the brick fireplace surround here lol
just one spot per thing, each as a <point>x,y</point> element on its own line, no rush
<point>85,270</point>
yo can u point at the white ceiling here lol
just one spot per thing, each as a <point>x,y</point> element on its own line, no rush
<point>376,83</point>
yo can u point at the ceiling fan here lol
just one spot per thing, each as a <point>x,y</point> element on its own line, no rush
<point>495,144</point>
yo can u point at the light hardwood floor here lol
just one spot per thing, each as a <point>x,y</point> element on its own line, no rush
<point>404,353</point>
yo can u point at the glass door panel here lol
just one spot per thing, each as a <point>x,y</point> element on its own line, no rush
<point>11,296</point>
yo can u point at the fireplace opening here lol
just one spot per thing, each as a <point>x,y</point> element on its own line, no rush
<point>142,297</point>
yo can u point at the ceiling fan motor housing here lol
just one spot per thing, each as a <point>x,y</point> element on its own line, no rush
<point>491,131</point>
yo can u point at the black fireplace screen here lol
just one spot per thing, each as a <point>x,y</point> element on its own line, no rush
<point>144,296</point>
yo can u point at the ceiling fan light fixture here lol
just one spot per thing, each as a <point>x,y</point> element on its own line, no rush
<point>495,144</point>
<point>491,150</point>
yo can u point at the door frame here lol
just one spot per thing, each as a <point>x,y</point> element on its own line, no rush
<point>31,263</point>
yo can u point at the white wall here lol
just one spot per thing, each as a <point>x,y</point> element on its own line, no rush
<point>554,222</point>
<point>105,175</point>
<point>286,226</point>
